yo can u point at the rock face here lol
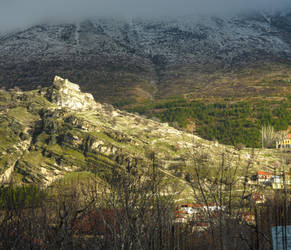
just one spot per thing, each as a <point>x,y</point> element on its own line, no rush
<point>68,95</point>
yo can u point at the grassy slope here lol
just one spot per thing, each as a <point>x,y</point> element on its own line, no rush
<point>62,141</point>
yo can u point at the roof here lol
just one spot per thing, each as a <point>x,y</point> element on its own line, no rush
<point>191,205</point>
<point>180,212</point>
<point>199,205</point>
<point>264,173</point>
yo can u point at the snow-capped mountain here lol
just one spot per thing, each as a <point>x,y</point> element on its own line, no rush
<point>140,56</point>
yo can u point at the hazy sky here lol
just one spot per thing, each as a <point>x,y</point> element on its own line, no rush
<point>18,13</point>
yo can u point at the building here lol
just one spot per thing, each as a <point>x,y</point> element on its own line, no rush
<point>285,143</point>
<point>264,177</point>
<point>181,217</point>
<point>276,181</point>
<point>281,181</point>
<point>197,208</point>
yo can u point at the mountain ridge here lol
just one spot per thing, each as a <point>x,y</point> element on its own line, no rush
<point>138,60</point>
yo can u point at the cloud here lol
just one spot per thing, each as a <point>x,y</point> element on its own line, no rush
<point>17,13</point>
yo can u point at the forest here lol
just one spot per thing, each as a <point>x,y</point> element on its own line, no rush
<point>227,121</point>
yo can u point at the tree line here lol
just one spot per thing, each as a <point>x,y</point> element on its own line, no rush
<point>229,123</point>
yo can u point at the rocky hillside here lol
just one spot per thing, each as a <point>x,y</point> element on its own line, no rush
<point>50,132</point>
<point>137,60</point>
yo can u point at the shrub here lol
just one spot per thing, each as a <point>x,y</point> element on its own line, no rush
<point>239,146</point>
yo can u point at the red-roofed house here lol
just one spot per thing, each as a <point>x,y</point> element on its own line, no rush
<point>264,176</point>
<point>180,217</point>
<point>198,208</point>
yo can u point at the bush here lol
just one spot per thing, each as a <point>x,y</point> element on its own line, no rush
<point>239,146</point>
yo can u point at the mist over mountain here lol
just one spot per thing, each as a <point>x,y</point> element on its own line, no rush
<point>18,14</point>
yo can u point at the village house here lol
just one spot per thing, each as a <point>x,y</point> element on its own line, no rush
<point>181,217</point>
<point>264,177</point>
<point>191,209</point>
<point>285,143</point>
<point>281,181</point>
<point>198,226</point>
<point>188,208</point>
<point>276,181</point>
<point>196,208</point>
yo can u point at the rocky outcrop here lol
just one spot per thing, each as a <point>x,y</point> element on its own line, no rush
<point>68,95</point>
<point>5,177</point>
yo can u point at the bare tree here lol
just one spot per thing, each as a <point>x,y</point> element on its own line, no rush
<point>270,136</point>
